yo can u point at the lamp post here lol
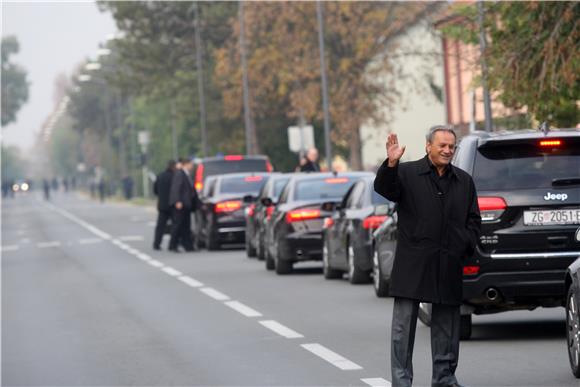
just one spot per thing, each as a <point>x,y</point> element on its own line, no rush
<point>324,85</point>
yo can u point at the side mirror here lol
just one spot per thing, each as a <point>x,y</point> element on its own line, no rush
<point>267,202</point>
<point>248,199</point>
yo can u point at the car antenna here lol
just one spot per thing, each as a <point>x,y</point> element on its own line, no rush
<point>545,128</point>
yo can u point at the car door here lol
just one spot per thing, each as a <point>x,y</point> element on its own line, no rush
<point>349,213</point>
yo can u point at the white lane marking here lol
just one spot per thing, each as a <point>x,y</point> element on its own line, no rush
<point>190,281</point>
<point>155,263</point>
<point>10,248</point>
<point>144,257</point>
<point>80,222</point>
<point>376,382</point>
<point>280,329</point>
<point>332,357</point>
<point>216,295</point>
<point>243,309</point>
<point>131,238</point>
<point>131,250</point>
<point>87,241</point>
<point>171,271</point>
<point>43,245</point>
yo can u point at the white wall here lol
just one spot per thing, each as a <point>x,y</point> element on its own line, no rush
<point>419,56</point>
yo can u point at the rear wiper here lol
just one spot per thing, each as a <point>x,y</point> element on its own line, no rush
<point>566,181</point>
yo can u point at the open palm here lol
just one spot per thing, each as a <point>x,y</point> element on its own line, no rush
<point>394,150</point>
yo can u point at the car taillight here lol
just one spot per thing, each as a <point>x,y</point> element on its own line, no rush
<point>228,206</point>
<point>328,222</point>
<point>373,222</point>
<point>269,211</point>
<point>302,214</point>
<point>250,210</point>
<point>336,180</point>
<point>269,166</point>
<point>550,143</point>
<point>253,178</point>
<point>233,158</point>
<point>199,177</point>
<point>491,208</point>
<point>470,270</point>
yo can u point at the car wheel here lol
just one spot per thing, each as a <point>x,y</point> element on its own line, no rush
<point>212,242</point>
<point>250,251</point>
<point>260,250</point>
<point>465,327</point>
<point>381,286</point>
<point>355,275</point>
<point>425,313</point>
<point>329,272</point>
<point>283,266</point>
<point>573,332</point>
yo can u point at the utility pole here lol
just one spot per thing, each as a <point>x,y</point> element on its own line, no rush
<point>324,85</point>
<point>247,113</point>
<point>484,72</point>
<point>200,89</point>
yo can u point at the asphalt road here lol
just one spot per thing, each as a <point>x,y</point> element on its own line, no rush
<point>85,302</point>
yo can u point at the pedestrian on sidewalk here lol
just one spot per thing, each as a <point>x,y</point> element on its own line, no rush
<point>438,225</point>
<point>161,189</point>
<point>310,163</point>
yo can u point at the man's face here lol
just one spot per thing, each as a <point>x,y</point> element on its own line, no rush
<point>312,155</point>
<point>442,148</point>
<point>188,166</point>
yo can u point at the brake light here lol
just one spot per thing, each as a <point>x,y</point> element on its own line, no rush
<point>269,166</point>
<point>199,177</point>
<point>233,157</point>
<point>228,206</point>
<point>373,222</point>
<point>328,223</point>
<point>253,178</point>
<point>269,212</point>
<point>336,180</point>
<point>550,143</point>
<point>470,270</point>
<point>250,210</point>
<point>491,208</point>
<point>302,214</point>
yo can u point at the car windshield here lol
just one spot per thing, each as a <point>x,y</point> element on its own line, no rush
<point>218,167</point>
<point>323,188</point>
<point>524,166</point>
<point>242,184</point>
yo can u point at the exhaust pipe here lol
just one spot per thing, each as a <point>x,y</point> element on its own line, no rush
<point>492,294</point>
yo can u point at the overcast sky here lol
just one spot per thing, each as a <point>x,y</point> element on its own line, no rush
<point>54,37</point>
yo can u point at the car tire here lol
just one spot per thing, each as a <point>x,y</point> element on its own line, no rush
<point>260,250</point>
<point>250,251</point>
<point>355,275</point>
<point>327,271</point>
<point>379,284</point>
<point>573,332</point>
<point>269,261</point>
<point>425,313</point>
<point>212,242</point>
<point>465,327</point>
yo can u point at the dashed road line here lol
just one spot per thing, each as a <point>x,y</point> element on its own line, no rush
<point>9,248</point>
<point>155,263</point>
<point>332,357</point>
<point>243,309</point>
<point>88,241</point>
<point>216,295</point>
<point>376,382</point>
<point>171,271</point>
<point>144,257</point>
<point>131,238</point>
<point>280,329</point>
<point>190,281</point>
<point>44,245</point>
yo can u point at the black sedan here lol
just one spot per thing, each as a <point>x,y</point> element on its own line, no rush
<point>348,232</point>
<point>573,313</point>
<point>294,231</point>
<point>221,216</point>
<point>257,214</point>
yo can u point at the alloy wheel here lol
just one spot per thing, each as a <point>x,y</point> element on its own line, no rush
<point>573,331</point>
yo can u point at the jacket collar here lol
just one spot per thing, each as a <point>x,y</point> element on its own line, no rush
<point>426,165</point>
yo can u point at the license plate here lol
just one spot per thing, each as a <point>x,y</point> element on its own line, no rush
<point>552,217</point>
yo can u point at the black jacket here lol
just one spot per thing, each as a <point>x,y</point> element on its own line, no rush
<point>182,190</point>
<point>310,166</point>
<point>436,230</point>
<point>161,189</point>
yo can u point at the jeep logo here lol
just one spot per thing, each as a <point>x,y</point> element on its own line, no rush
<point>560,196</point>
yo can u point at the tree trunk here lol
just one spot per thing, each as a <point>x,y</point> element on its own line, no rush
<point>355,150</point>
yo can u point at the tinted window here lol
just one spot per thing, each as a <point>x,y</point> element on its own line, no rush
<point>522,166</point>
<point>377,199</point>
<point>354,198</point>
<point>244,184</point>
<point>219,167</point>
<point>279,185</point>
<point>324,188</point>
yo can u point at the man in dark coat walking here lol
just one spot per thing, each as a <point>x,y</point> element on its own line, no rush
<point>183,198</point>
<point>161,189</point>
<point>438,225</point>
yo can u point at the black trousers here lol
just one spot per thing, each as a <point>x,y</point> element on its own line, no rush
<point>181,230</point>
<point>162,218</point>
<point>445,320</point>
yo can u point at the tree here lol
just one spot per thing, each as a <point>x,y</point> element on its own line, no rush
<point>532,55</point>
<point>14,83</point>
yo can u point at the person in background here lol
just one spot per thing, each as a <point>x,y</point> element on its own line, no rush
<point>438,225</point>
<point>161,189</point>
<point>183,199</point>
<point>46,188</point>
<point>310,164</point>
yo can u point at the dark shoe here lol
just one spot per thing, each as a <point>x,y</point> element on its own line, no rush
<point>174,250</point>
<point>156,248</point>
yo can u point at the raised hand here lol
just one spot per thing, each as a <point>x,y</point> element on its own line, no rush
<point>394,150</point>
